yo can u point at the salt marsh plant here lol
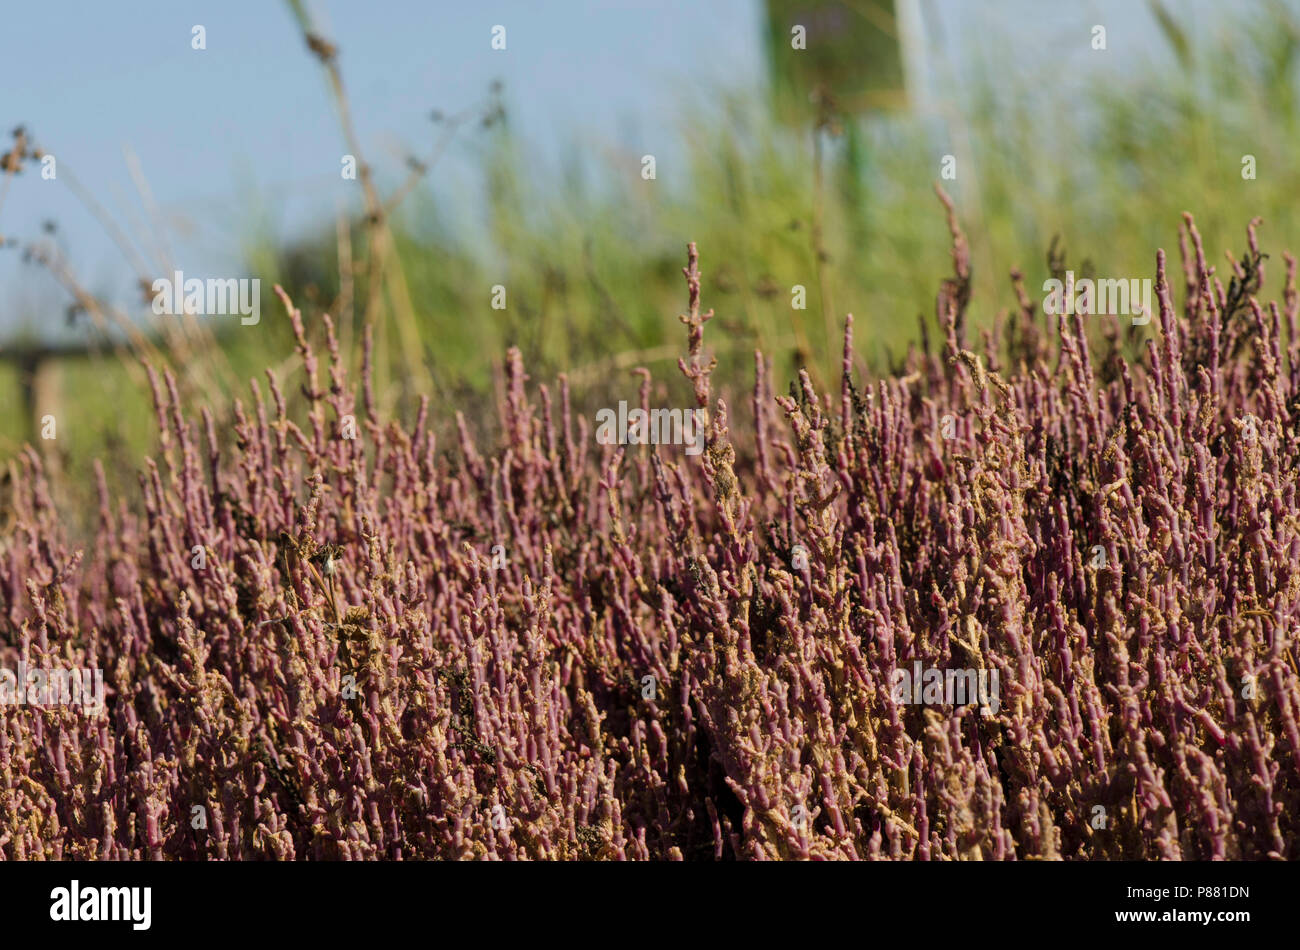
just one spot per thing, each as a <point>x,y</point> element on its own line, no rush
<point>387,646</point>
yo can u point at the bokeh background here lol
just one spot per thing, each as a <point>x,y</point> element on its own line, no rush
<point>523,167</point>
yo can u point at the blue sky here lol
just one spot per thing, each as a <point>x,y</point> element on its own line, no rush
<point>244,131</point>
<point>248,122</point>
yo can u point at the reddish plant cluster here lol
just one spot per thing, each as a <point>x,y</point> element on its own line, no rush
<point>566,650</point>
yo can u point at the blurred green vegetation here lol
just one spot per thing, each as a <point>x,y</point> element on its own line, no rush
<point>843,205</point>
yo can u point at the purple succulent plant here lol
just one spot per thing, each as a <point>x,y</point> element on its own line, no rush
<point>326,636</point>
